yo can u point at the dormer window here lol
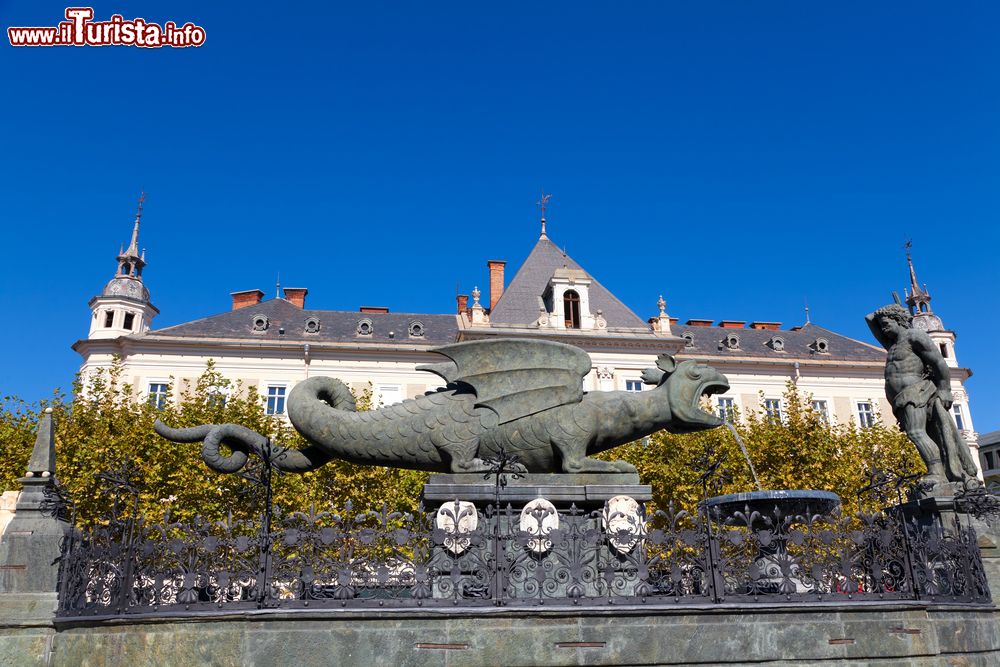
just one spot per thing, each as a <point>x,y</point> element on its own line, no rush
<point>416,330</point>
<point>364,327</point>
<point>259,323</point>
<point>571,309</point>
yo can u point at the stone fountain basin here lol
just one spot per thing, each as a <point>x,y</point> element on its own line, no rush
<point>792,502</point>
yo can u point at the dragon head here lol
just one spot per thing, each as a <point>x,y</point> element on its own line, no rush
<point>686,382</point>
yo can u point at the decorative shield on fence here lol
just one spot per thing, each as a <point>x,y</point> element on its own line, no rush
<point>539,517</point>
<point>623,522</point>
<point>456,519</point>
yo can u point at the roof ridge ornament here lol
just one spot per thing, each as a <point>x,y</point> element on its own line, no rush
<point>133,246</point>
<point>542,203</point>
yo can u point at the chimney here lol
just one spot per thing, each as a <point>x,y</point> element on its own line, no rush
<point>374,309</point>
<point>463,302</point>
<point>732,324</point>
<point>250,297</point>
<point>766,326</point>
<point>496,280</point>
<point>296,296</point>
<point>699,323</point>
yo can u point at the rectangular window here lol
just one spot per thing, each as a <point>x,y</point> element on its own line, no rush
<point>109,319</point>
<point>956,410</point>
<point>158,394</point>
<point>772,406</point>
<point>129,318</point>
<point>726,408</point>
<point>217,396</point>
<point>633,385</point>
<point>276,400</point>
<point>822,409</point>
<point>944,350</point>
<point>388,394</point>
<point>866,414</point>
<point>989,460</point>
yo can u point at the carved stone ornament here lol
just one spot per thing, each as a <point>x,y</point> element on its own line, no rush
<point>456,519</point>
<point>599,320</point>
<point>605,373</point>
<point>539,517</point>
<point>623,522</point>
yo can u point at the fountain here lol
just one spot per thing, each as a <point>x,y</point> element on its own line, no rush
<point>763,503</point>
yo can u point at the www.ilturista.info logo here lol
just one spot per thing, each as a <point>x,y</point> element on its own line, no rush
<point>81,30</point>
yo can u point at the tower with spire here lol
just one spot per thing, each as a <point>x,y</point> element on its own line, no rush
<point>123,307</point>
<point>918,298</point>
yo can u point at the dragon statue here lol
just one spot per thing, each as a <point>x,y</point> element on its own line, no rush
<point>522,396</point>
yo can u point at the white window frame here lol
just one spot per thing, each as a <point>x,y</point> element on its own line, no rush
<point>219,392</point>
<point>284,398</point>
<point>866,418</point>
<point>633,384</point>
<point>779,403</point>
<point>727,411</point>
<point>161,399</point>
<point>825,412</point>
<point>959,414</point>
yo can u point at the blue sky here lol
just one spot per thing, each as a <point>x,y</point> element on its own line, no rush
<point>739,158</point>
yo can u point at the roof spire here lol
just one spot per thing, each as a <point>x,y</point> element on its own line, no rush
<point>542,203</point>
<point>133,247</point>
<point>919,299</point>
<point>277,286</point>
<point>807,312</point>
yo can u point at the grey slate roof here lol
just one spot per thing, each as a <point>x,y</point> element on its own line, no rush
<point>335,325</point>
<point>797,344</point>
<point>989,438</point>
<point>519,303</point>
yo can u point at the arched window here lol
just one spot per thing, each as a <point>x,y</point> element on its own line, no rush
<point>571,309</point>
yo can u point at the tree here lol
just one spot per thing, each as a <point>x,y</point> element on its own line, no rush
<point>799,451</point>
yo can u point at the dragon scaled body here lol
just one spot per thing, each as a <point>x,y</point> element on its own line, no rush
<point>523,396</point>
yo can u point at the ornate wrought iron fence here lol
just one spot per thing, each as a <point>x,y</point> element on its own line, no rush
<point>464,556</point>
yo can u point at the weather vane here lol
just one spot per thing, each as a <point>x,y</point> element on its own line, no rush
<point>142,198</point>
<point>542,203</point>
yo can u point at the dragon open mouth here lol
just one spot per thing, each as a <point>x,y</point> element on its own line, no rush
<point>710,387</point>
<point>688,404</point>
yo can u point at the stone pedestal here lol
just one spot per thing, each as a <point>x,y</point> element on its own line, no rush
<point>549,538</point>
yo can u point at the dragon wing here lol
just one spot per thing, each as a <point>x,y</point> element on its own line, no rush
<point>516,377</point>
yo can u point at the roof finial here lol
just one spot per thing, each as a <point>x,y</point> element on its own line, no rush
<point>807,311</point>
<point>919,300</point>
<point>909,261</point>
<point>277,286</point>
<point>542,203</point>
<point>133,247</point>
